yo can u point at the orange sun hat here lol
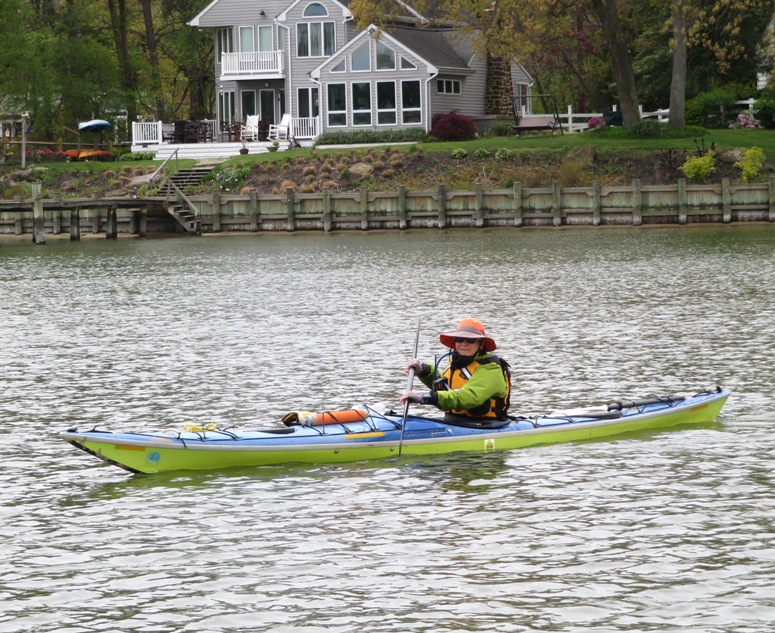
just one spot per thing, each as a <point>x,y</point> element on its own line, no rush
<point>468,328</point>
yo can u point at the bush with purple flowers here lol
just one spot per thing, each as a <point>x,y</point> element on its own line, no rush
<point>745,121</point>
<point>595,123</point>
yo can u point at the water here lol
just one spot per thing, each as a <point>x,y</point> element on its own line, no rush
<point>658,532</point>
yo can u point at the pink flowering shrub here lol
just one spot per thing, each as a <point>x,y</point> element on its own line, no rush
<point>745,121</point>
<point>595,123</point>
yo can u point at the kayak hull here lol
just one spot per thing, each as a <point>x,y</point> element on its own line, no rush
<point>379,437</point>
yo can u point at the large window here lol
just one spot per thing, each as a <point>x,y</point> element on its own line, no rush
<point>361,103</point>
<point>337,105</point>
<point>410,102</point>
<point>386,57</point>
<point>386,103</point>
<point>265,43</point>
<point>315,39</point>
<point>248,103</point>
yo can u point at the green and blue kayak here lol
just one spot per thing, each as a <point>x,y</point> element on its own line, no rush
<point>363,434</point>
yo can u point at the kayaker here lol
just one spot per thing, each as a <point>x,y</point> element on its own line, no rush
<point>475,384</point>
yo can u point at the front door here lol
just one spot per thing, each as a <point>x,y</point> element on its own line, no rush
<point>266,100</point>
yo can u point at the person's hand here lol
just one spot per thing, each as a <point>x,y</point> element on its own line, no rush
<point>420,369</point>
<point>412,396</point>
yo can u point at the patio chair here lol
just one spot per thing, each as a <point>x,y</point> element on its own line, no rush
<point>250,130</point>
<point>281,131</point>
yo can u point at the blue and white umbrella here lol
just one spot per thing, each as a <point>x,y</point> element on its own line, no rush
<point>95,125</point>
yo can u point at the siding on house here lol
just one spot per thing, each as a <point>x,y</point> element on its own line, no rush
<point>437,54</point>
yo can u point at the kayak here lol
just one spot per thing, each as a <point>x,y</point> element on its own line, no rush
<point>364,434</point>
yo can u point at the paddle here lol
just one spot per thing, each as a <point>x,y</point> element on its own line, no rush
<point>409,384</point>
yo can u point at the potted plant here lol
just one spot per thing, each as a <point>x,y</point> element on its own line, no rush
<point>274,146</point>
<point>244,149</point>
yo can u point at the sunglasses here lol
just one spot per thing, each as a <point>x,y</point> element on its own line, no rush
<point>460,339</point>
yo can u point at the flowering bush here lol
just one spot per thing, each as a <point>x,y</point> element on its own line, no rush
<point>596,123</point>
<point>699,168</point>
<point>745,121</point>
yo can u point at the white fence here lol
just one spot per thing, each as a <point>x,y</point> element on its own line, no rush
<point>578,121</point>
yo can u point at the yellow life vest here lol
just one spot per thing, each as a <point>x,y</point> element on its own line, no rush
<point>495,407</point>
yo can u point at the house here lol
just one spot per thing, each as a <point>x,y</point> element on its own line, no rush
<point>308,58</point>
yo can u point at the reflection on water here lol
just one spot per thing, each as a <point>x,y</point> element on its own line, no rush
<point>664,531</point>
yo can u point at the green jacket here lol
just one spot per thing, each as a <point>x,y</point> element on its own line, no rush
<point>487,381</point>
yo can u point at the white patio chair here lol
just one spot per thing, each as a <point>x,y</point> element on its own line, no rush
<point>250,129</point>
<point>281,131</point>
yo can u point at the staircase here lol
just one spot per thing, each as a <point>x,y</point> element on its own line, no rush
<point>193,176</point>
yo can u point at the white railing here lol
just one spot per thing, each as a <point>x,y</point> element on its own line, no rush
<point>146,133</point>
<point>307,127</point>
<point>255,63</point>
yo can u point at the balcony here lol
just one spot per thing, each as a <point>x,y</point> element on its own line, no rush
<point>255,65</point>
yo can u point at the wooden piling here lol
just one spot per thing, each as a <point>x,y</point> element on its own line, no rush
<point>326,209</point>
<point>111,224</point>
<point>402,219</point>
<point>75,224</point>
<point>596,200</point>
<point>38,218</point>
<point>364,200</point>
<point>771,199</point>
<point>682,205</point>
<point>216,211</point>
<point>142,227</point>
<point>726,201</point>
<point>289,205</point>
<point>255,211</point>
<point>479,207</point>
<point>442,206</point>
<point>637,203</point>
<point>517,198</point>
<point>556,203</point>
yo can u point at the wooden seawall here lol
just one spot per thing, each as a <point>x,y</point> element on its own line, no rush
<point>519,206</point>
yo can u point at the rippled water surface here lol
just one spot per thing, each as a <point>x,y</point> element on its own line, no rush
<point>669,531</point>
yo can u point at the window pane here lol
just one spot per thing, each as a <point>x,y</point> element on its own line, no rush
<point>386,58</point>
<point>336,97</point>
<point>315,40</point>
<point>406,64</point>
<point>315,101</point>
<point>362,96</point>
<point>265,43</point>
<point>246,39</point>
<point>412,116</point>
<point>315,10</point>
<point>360,58</point>
<point>340,67</point>
<point>337,119</point>
<point>362,118</point>
<point>303,102</point>
<point>386,95</point>
<point>302,40</point>
<point>329,39</point>
<point>410,94</point>
<point>386,118</point>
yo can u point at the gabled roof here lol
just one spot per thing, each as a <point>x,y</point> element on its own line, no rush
<point>342,3</point>
<point>432,45</point>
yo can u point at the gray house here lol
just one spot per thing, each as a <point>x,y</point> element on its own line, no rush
<point>308,59</point>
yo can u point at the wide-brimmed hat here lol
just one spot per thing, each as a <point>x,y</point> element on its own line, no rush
<point>468,328</point>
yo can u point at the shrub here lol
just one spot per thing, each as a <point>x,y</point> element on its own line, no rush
<point>751,163</point>
<point>712,109</point>
<point>699,168</point>
<point>764,111</point>
<point>138,156</point>
<point>504,154</point>
<point>647,128</point>
<point>572,173</point>
<point>232,178</point>
<point>481,153</point>
<point>499,129</point>
<point>595,123</point>
<point>459,153</point>
<point>413,135</point>
<point>453,126</point>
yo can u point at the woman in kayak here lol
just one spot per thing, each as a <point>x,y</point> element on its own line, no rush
<point>475,384</point>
